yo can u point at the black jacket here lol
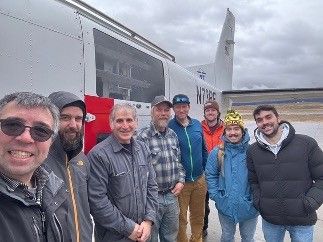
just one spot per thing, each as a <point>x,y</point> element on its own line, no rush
<point>74,168</point>
<point>288,187</point>
<point>20,217</point>
<point>75,173</point>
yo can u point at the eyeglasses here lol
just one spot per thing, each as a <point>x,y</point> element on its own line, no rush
<point>14,127</point>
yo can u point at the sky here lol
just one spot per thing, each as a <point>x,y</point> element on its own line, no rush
<point>278,43</point>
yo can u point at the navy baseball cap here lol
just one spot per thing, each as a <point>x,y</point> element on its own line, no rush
<point>181,98</point>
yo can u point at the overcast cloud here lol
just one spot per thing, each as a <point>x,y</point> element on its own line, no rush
<point>279,44</point>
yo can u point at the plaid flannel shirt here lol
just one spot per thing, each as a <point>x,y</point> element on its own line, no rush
<point>40,175</point>
<point>166,156</point>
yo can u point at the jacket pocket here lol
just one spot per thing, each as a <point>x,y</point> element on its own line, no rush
<point>307,205</point>
<point>120,184</point>
<point>222,204</point>
<point>175,152</point>
<point>246,209</point>
<point>155,156</point>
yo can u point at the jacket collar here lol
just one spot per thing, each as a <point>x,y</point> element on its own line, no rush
<point>155,132</point>
<point>287,136</point>
<point>19,190</point>
<point>117,147</point>
<point>190,121</point>
<point>244,141</point>
<point>206,127</point>
<point>58,151</point>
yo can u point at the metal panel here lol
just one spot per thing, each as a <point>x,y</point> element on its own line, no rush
<point>15,63</point>
<point>40,51</point>
<point>15,8</point>
<point>58,64</point>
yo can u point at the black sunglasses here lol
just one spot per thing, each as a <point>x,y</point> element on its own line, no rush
<point>14,127</point>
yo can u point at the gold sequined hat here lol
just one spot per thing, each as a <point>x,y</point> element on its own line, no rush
<point>233,117</point>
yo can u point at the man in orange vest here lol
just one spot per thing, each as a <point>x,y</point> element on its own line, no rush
<point>212,130</point>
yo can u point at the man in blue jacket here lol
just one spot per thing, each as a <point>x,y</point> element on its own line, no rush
<point>193,156</point>
<point>227,180</point>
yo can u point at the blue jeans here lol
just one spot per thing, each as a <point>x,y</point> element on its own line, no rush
<point>276,233</point>
<point>167,222</point>
<point>247,229</point>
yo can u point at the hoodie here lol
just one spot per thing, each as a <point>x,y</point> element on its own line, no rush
<point>74,168</point>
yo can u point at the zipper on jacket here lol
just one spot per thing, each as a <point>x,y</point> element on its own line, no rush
<point>59,229</point>
<point>36,228</point>
<point>43,222</point>
<point>190,148</point>
<point>72,192</point>
<point>275,155</point>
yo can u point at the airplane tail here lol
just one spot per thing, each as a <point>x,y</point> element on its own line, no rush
<point>223,66</point>
<point>219,73</point>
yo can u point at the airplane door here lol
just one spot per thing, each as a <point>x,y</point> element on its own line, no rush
<point>97,121</point>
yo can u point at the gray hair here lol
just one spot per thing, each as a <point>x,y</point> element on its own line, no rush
<point>120,106</point>
<point>33,100</point>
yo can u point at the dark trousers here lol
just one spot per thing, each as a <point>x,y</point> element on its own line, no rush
<point>207,212</point>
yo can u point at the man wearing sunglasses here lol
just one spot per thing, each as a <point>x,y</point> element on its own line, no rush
<point>33,201</point>
<point>68,161</point>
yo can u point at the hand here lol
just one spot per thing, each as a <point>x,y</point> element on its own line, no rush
<point>136,234</point>
<point>145,230</point>
<point>178,188</point>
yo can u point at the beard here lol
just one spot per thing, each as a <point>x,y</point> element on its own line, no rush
<point>71,142</point>
<point>162,123</point>
<point>274,131</point>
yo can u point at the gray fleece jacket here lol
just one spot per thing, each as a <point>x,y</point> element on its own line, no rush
<point>74,169</point>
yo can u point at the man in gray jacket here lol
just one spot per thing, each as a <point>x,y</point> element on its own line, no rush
<point>33,201</point>
<point>122,187</point>
<point>68,162</point>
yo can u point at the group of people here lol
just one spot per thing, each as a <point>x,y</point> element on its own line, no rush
<point>139,185</point>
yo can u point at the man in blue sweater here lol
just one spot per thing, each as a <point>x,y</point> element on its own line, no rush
<point>193,156</point>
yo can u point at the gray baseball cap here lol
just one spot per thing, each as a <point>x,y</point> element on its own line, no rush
<point>161,99</point>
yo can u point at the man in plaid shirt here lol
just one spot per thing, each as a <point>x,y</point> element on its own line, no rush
<point>170,174</point>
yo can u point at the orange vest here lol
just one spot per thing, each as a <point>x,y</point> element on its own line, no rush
<point>212,139</point>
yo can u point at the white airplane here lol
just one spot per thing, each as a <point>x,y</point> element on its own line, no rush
<point>51,45</point>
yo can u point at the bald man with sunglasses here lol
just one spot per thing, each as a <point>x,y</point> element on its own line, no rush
<point>33,201</point>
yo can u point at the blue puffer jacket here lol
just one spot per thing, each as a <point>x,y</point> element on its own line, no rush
<point>231,193</point>
<point>193,150</point>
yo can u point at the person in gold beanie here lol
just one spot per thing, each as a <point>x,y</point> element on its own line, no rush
<point>227,181</point>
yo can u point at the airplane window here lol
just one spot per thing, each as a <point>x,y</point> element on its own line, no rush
<point>123,72</point>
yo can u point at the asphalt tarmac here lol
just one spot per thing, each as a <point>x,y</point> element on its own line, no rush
<point>214,231</point>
